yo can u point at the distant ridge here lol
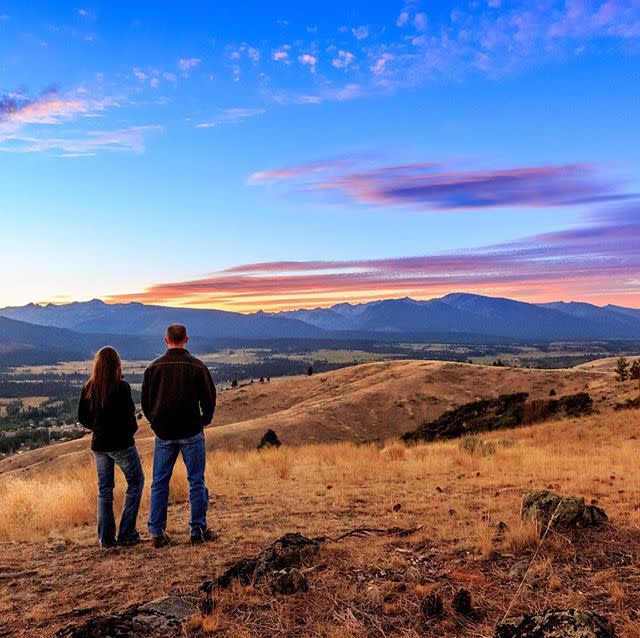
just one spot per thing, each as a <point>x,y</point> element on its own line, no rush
<point>476,314</point>
<point>455,318</point>
<point>95,316</point>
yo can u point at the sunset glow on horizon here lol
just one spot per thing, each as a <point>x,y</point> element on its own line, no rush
<point>279,157</point>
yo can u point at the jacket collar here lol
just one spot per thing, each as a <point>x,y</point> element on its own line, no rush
<point>176,352</point>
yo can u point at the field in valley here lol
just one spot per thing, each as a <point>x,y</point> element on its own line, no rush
<point>464,501</point>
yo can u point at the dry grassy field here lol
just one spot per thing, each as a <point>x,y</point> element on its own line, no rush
<point>466,503</point>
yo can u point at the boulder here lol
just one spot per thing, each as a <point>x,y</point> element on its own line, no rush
<point>557,623</point>
<point>288,582</point>
<point>161,618</point>
<point>287,552</point>
<point>547,509</point>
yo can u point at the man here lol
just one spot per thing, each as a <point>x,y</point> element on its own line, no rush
<point>178,399</point>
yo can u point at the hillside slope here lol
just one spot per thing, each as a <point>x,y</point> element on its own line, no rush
<point>465,506</point>
<point>373,401</point>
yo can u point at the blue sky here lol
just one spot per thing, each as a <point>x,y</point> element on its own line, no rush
<point>159,151</point>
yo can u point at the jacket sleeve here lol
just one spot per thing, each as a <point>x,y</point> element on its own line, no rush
<point>144,396</point>
<point>130,408</point>
<point>207,397</point>
<point>84,411</point>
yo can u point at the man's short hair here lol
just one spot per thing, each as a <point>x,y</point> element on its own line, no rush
<point>176,333</point>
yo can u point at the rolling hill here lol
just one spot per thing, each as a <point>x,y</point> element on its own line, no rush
<point>28,343</point>
<point>442,518</point>
<point>367,402</point>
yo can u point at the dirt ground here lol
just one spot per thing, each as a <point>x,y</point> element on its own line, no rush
<point>471,537</point>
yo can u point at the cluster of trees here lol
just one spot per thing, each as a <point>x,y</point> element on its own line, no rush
<point>235,383</point>
<point>626,370</point>
<point>32,438</point>
<point>25,426</point>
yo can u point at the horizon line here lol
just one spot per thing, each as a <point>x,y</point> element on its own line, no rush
<point>329,305</point>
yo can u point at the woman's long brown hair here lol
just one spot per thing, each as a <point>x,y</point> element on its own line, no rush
<point>106,374</point>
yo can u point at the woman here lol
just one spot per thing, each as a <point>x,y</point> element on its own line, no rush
<point>107,409</point>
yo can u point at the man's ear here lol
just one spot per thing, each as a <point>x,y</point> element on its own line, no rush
<point>186,339</point>
<point>166,341</point>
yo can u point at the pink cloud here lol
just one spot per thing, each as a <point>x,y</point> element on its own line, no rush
<point>49,108</point>
<point>598,263</point>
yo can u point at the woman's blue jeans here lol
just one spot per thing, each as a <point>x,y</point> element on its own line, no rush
<point>129,462</point>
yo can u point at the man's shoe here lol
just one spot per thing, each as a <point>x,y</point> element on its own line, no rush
<point>129,542</point>
<point>204,536</point>
<point>161,541</point>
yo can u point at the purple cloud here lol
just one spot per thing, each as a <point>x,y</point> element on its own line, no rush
<point>431,186</point>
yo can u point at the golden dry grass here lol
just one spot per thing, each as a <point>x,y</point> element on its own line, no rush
<point>360,588</point>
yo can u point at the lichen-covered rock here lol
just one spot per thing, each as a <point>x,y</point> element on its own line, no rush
<point>287,552</point>
<point>547,509</point>
<point>558,623</point>
<point>161,618</point>
<point>276,565</point>
<point>288,582</point>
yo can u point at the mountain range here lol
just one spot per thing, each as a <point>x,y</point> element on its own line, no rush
<point>464,313</point>
<point>78,328</point>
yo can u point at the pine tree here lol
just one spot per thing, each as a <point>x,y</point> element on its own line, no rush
<point>622,369</point>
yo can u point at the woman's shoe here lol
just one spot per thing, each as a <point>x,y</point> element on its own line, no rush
<point>107,544</point>
<point>161,541</point>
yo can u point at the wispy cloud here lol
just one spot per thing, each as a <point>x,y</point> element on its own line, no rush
<point>231,116</point>
<point>185,64</point>
<point>431,186</point>
<point>18,109</point>
<point>361,32</point>
<point>49,122</point>
<point>295,172</point>
<point>307,59</point>
<point>595,263</point>
<point>487,38</point>
<point>280,55</point>
<point>131,139</point>
<point>343,59</point>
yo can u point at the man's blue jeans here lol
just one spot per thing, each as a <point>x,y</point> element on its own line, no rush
<point>129,462</point>
<point>164,458</point>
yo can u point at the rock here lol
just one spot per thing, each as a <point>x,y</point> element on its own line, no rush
<point>557,623</point>
<point>547,509</point>
<point>461,603</point>
<point>161,618</point>
<point>287,552</point>
<point>518,570</point>
<point>277,565</point>
<point>291,582</point>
